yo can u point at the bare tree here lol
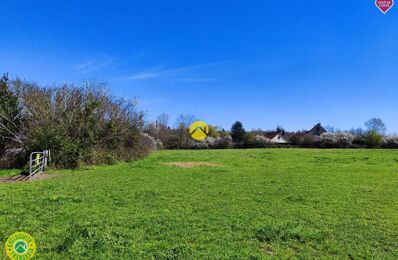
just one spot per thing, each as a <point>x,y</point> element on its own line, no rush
<point>185,120</point>
<point>376,125</point>
<point>163,120</point>
<point>11,118</point>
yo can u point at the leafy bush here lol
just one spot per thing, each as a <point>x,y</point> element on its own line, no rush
<point>261,141</point>
<point>81,125</point>
<point>200,145</point>
<point>336,140</point>
<point>172,142</point>
<point>148,141</point>
<point>329,139</point>
<point>359,140</point>
<point>249,140</point>
<point>214,143</point>
<point>223,142</point>
<point>309,141</point>
<point>391,142</point>
<point>344,140</point>
<point>373,139</point>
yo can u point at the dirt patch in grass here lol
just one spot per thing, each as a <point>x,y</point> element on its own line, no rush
<point>191,164</point>
<point>267,249</point>
<point>25,178</point>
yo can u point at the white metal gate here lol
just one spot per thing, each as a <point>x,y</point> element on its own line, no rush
<point>38,162</point>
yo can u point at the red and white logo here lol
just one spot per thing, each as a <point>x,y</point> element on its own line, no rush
<point>384,5</point>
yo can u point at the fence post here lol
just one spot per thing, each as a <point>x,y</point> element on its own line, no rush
<point>30,165</point>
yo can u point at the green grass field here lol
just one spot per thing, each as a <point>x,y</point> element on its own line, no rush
<point>4,173</point>
<point>282,203</point>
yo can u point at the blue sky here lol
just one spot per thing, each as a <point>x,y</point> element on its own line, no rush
<point>265,63</point>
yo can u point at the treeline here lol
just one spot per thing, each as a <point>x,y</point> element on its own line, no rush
<point>346,139</point>
<point>178,137</point>
<point>86,125</point>
<point>80,124</point>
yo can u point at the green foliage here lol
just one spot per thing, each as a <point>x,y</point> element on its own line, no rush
<point>81,125</point>
<point>213,131</point>
<point>258,203</point>
<point>373,139</point>
<point>237,132</point>
<point>8,101</point>
<point>248,140</point>
<point>376,125</point>
<point>172,142</point>
<point>183,133</point>
<point>280,130</point>
<point>308,141</point>
<point>10,116</point>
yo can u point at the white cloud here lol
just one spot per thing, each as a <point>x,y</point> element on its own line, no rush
<point>172,73</point>
<point>94,64</point>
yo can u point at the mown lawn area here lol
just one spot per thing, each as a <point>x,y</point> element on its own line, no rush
<point>282,203</point>
<point>11,172</point>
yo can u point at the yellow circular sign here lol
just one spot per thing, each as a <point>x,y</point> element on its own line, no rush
<point>20,246</point>
<point>199,130</point>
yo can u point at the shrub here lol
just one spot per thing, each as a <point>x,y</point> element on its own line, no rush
<point>297,139</point>
<point>373,139</point>
<point>309,141</point>
<point>249,140</point>
<point>13,158</point>
<point>344,140</point>
<point>223,142</point>
<point>204,144</point>
<point>148,141</point>
<point>359,140</point>
<point>159,144</point>
<point>200,145</point>
<point>391,142</point>
<point>81,125</point>
<point>213,132</point>
<point>261,141</point>
<point>210,141</point>
<point>172,142</point>
<point>329,140</point>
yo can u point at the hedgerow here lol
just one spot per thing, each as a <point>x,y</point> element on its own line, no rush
<point>80,124</point>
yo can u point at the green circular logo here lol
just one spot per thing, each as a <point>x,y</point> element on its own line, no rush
<point>20,246</point>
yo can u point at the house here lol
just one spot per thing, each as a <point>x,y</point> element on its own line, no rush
<point>282,137</point>
<point>316,131</point>
<point>279,138</point>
